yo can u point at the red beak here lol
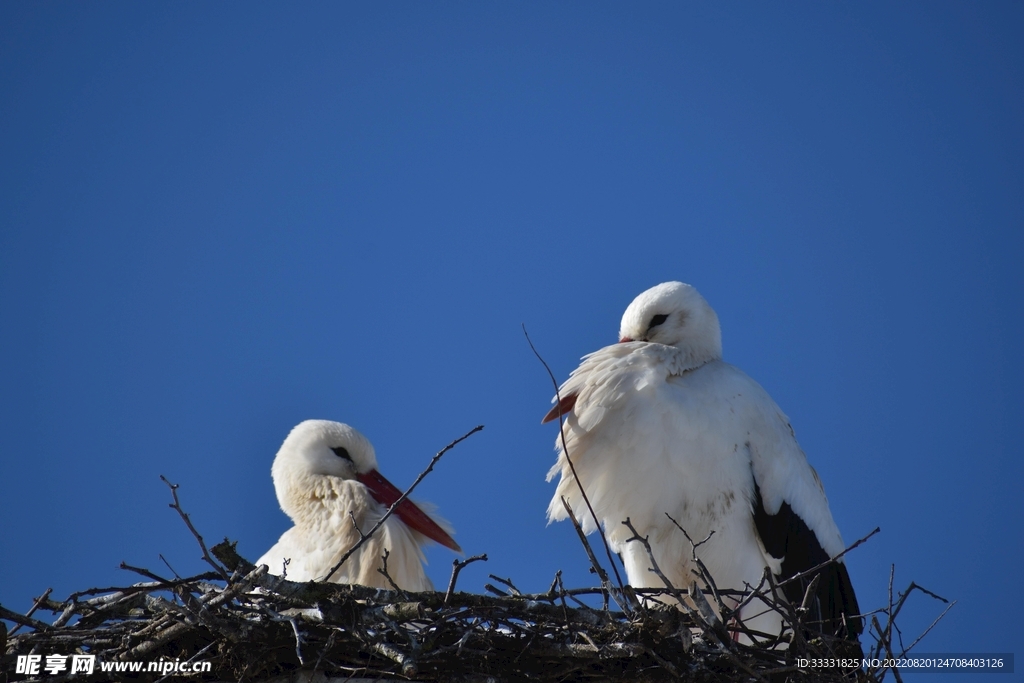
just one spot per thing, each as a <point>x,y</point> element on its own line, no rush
<point>385,493</point>
<point>563,408</point>
<point>625,339</point>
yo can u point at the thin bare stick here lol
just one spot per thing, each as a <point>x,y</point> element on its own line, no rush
<point>35,605</point>
<point>829,561</point>
<point>656,569</point>
<point>565,449</point>
<point>179,629</point>
<point>398,502</point>
<point>191,659</point>
<point>298,640</point>
<point>930,627</point>
<point>352,516</point>
<point>888,651</point>
<point>384,570</point>
<point>702,571</point>
<point>496,591</point>
<point>507,582</point>
<point>164,559</point>
<point>809,594</point>
<point>326,648</point>
<point>554,584</point>
<point>458,566</point>
<point>619,595</point>
<point>143,572</point>
<point>188,522</point>
<point>788,611</point>
<point>23,620</point>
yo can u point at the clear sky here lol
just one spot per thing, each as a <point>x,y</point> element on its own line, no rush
<point>217,220</point>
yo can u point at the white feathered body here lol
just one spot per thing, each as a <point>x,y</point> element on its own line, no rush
<point>654,431</point>
<point>323,532</point>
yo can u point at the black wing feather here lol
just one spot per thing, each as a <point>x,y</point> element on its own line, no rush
<point>787,537</point>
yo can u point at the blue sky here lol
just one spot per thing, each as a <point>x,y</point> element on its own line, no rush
<point>221,219</point>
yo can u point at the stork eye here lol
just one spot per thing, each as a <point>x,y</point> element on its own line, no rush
<point>342,453</point>
<point>657,320</point>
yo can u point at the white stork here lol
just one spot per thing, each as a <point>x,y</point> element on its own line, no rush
<point>326,479</point>
<point>658,424</point>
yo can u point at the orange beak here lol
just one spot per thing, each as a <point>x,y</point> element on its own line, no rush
<point>385,493</point>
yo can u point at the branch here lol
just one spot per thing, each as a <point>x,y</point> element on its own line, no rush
<point>507,582</point>
<point>930,626</point>
<point>704,574</point>
<point>458,566</point>
<point>620,597</point>
<point>35,605</point>
<point>565,449</point>
<point>383,571</point>
<point>398,502</point>
<point>656,569</point>
<point>179,629</point>
<point>23,620</point>
<point>188,522</point>
<point>829,561</point>
<point>143,572</point>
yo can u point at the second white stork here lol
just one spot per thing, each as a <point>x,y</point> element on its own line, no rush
<point>326,479</point>
<point>659,425</point>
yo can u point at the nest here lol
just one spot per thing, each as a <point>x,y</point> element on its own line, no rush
<point>257,627</point>
<point>242,624</point>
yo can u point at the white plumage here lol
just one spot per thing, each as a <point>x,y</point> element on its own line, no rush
<point>326,478</point>
<point>658,424</point>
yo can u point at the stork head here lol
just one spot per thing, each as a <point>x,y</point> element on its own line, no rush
<point>674,314</point>
<point>331,449</point>
<point>326,448</point>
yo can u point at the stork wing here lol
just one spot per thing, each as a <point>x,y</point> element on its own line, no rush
<point>793,520</point>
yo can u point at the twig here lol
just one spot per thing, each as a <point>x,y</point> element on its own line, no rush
<point>383,570</point>
<point>35,605</point>
<point>930,627</point>
<point>554,584</point>
<point>561,593</point>
<point>809,594</point>
<point>407,664</point>
<point>137,587</point>
<point>496,591</point>
<point>655,568</point>
<point>618,595</point>
<point>23,620</point>
<point>143,572</point>
<point>164,559</point>
<point>457,567</point>
<point>784,608</point>
<point>565,450</point>
<point>355,525</point>
<point>704,574</point>
<point>326,648</point>
<point>398,502</point>
<point>827,562</point>
<point>507,582</point>
<point>888,649</point>
<point>298,640</point>
<point>188,522</point>
<point>191,659</point>
<point>179,629</point>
